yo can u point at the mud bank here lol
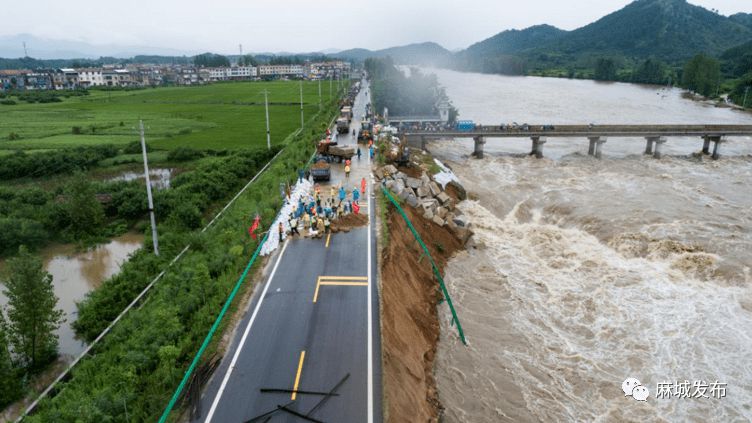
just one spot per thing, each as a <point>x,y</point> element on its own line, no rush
<point>409,315</point>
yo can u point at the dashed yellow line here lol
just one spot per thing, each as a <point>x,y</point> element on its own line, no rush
<point>297,376</point>
<point>338,281</point>
<point>328,237</point>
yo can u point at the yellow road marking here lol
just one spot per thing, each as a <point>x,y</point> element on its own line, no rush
<point>297,376</point>
<point>338,281</point>
<point>343,278</point>
<point>328,237</point>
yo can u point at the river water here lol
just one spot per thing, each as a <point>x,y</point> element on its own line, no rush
<point>75,273</point>
<point>588,271</point>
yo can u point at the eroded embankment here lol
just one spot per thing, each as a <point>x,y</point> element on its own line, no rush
<point>409,320</point>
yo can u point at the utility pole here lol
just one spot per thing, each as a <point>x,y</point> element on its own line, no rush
<point>268,134</point>
<point>148,190</point>
<point>744,103</point>
<point>26,52</point>
<point>302,120</point>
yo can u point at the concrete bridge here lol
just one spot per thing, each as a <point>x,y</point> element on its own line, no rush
<point>655,135</point>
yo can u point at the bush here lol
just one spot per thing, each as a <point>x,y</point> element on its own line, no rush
<point>13,136</point>
<point>76,130</point>
<point>135,148</point>
<point>183,154</point>
<point>8,102</point>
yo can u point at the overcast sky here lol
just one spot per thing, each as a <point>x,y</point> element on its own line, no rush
<point>302,25</point>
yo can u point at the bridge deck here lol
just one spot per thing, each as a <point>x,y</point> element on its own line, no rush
<point>589,131</point>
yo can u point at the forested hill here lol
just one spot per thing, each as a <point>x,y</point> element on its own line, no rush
<point>673,30</point>
<point>420,53</point>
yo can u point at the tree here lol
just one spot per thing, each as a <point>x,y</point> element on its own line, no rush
<point>702,74</point>
<point>247,60</point>
<point>651,71</point>
<point>605,70</point>
<point>84,211</point>
<point>32,310</point>
<point>210,60</point>
<point>10,382</point>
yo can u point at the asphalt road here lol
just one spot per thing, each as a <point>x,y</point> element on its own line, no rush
<point>313,322</point>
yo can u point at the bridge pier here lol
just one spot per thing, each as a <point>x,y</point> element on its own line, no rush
<point>706,144</point>
<point>649,144</point>
<point>596,143</point>
<point>717,147</point>
<point>659,141</point>
<point>538,146</point>
<point>591,147</point>
<point>478,151</point>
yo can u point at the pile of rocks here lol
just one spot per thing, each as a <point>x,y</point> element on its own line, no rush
<point>427,196</point>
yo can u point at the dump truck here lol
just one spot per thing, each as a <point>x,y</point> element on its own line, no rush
<point>343,126</point>
<point>321,170</point>
<point>346,113</point>
<point>336,153</point>
<point>366,131</point>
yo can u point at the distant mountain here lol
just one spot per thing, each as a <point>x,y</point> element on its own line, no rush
<point>44,48</point>
<point>672,30</point>
<point>514,41</point>
<point>421,53</point>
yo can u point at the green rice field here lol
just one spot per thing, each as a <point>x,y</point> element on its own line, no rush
<point>217,116</point>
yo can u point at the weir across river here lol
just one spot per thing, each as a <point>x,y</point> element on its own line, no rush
<point>655,135</point>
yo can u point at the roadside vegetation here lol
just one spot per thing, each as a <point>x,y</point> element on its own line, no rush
<point>143,358</point>
<point>27,339</point>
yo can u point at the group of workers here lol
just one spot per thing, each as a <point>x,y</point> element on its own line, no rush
<point>316,213</point>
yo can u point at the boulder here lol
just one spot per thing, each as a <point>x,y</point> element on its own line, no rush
<point>425,179</point>
<point>434,187</point>
<point>443,197</point>
<point>423,192</point>
<point>461,193</point>
<point>437,220</point>
<point>379,173</point>
<point>400,175</point>
<point>460,221</point>
<point>389,170</point>
<point>450,222</point>
<point>390,185</point>
<point>430,205</point>
<point>442,212</point>
<point>404,193</point>
<point>399,184</point>
<point>413,183</point>
<point>428,214</point>
<point>412,200</point>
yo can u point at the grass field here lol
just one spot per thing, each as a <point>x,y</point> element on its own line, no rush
<point>218,116</point>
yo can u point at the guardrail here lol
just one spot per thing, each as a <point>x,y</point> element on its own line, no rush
<point>436,271</point>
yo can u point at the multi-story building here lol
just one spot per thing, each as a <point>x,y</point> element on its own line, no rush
<point>65,79</point>
<point>90,77</point>
<point>280,70</point>
<point>41,80</point>
<point>325,70</point>
<point>12,79</point>
<point>234,73</point>
<point>117,77</point>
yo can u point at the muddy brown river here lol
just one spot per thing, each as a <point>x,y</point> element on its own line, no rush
<point>76,273</point>
<point>588,271</point>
